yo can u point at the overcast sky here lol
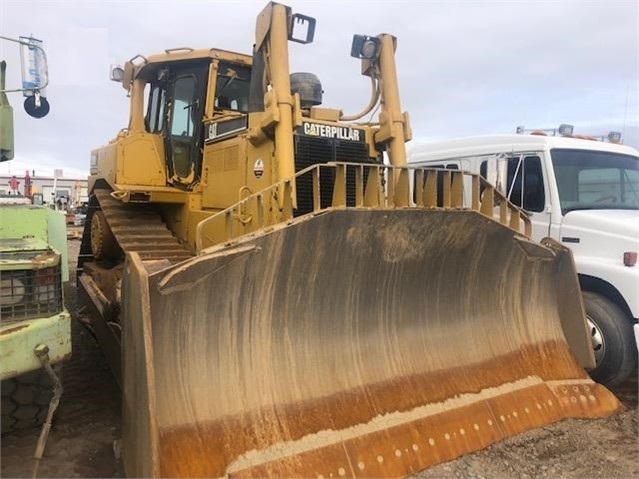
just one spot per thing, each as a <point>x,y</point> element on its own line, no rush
<point>464,68</point>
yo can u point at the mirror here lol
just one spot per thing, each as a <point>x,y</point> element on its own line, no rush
<point>36,106</point>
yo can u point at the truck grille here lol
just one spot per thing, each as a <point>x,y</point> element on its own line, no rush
<point>311,151</point>
<point>28,294</point>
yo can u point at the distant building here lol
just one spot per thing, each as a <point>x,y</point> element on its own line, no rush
<point>71,191</point>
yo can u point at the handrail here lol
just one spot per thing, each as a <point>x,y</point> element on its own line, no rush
<point>375,186</point>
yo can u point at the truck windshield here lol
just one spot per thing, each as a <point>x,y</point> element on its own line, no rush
<point>589,180</point>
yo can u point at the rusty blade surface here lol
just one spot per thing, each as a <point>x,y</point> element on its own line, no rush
<point>357,343</point>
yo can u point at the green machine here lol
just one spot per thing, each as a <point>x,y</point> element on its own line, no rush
<point>35,328</point>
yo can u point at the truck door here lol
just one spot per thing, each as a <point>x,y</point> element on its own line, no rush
<point>525,187</point>
<point>183,131</point>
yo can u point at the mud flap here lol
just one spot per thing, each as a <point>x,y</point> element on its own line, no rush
<point>354,343</point>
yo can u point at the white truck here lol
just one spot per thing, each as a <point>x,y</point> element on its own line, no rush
<point>583,193</point>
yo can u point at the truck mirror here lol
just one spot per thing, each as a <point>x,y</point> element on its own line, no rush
<point>35,70</point>
<point>36,106</point>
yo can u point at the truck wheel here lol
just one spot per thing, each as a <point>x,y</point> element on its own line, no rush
<point>612,340</point>
<point>25,399</point>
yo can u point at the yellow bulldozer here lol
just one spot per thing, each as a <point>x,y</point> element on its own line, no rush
<point>279,295</point>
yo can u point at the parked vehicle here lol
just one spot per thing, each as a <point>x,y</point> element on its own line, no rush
<point>35,327</point>
<point>274,304</point>
<point>580,191</point>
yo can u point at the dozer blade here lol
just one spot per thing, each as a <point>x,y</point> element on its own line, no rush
<point>354,343</point>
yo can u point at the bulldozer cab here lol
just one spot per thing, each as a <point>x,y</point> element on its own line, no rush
<point>175,105</point>
<point>177,94</point>
<point>185,95</point>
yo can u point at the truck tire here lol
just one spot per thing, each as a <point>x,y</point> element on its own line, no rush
<point>612,338</point>
<point>25,399</point>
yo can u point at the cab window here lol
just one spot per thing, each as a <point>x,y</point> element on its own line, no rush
<point>182,124</point>
<point>525,184</point>
<point>154,119</point>
<point>232,88</point>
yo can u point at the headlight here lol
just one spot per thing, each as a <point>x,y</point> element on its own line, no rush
<point>31,293</point>
<point>12,291</point>
<point>365,47</point>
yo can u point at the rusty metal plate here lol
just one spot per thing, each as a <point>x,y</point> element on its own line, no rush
<point>354,343</point>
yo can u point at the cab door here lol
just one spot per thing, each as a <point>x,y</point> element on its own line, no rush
<point>183,130</point>
<point>526,187</point>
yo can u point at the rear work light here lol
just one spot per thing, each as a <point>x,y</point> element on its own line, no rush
<point>630,258</point>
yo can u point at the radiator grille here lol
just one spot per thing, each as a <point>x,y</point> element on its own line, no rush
<point>313,150</point>
<point>27,294</point>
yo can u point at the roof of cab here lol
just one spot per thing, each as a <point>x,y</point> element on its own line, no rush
<point>175,54</point>
<point>490,144</point>
<point>142,63</point>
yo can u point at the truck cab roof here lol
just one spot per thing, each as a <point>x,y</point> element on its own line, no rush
<point>487,144</point>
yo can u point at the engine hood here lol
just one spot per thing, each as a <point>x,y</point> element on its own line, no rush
<point>614,223</point>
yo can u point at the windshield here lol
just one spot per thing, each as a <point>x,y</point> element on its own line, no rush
<point>589,180</point>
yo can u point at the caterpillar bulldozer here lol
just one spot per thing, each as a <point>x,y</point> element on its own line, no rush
<point>280,295</point>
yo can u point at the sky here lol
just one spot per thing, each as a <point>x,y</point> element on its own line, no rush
<point>464,67</point>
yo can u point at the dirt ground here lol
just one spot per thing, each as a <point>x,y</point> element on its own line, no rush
<point>88,423</point>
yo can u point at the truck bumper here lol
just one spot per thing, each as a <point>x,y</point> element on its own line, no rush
<point>18,341</point>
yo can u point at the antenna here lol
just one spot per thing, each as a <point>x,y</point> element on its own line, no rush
<point>625,115</point>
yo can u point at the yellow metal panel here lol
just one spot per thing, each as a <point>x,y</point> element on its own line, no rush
<point>317,204</point>
<point>141,160</point>
<point>419,188</point>
<point>359,186</point>
<point>179,54</point>
<point>457,200</point>
<point>106,159</point>
<point>503,212</point>
<point>327,114</point>
<point>223,173</point>
<point>475,193</point>
<point>140,427</point>
<point>487,201</point>
<point>339,189</point>
<point>372,191</point>
<point>514,219</point>
<point>447,187</point>
<point>210,94</point>
<point>430,192</point>
<point>402,190</point>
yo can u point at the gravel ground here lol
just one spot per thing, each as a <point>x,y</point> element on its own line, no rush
<point>88,423</point>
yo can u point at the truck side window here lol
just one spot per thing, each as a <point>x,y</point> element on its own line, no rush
<point>525,183</point>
